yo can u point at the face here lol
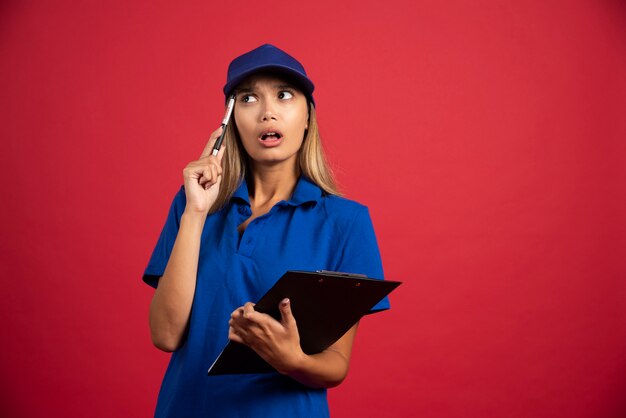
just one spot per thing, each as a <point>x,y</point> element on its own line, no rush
<point>271,116</point>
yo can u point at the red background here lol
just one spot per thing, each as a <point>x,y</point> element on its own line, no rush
<point>487,138</point>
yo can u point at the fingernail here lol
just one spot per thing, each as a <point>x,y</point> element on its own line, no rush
<point>285,302</point>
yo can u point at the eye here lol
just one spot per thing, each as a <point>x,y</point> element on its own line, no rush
<point>248,98</point>
<point>285,94</point>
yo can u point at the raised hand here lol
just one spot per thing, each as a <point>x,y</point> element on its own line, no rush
<point>202,177</point>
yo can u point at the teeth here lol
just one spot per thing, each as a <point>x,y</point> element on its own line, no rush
<point>265,135</point>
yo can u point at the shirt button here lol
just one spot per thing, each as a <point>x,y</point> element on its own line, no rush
<point>249,240</point>
<point>242,209</point>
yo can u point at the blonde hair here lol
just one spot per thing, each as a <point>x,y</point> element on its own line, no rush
<point>311,161</point>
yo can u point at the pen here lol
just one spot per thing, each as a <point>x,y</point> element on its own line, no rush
<point>229,111</point>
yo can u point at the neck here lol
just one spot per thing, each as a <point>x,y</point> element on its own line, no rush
<point>272,184</point>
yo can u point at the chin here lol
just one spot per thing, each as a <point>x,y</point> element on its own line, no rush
<point>274,158</point>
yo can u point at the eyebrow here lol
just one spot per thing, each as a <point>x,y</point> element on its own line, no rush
<point>251,89</point>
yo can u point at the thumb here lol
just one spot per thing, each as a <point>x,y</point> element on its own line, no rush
<point>285,313</point>
<point>208,148</point>
<point>220,153</point>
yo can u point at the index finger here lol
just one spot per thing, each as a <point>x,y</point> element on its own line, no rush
<point>208,148</point>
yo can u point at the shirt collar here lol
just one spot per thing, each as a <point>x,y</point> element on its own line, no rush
<point>305,192</point>
<point>242,192</point>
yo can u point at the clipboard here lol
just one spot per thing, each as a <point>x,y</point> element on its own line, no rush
<point>325,304</point>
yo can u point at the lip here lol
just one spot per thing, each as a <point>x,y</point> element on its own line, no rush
<point>270,143</point>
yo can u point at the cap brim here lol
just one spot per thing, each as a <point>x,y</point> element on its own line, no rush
<point>302,80</point>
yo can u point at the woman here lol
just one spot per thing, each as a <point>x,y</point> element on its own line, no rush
<point>267,203</point>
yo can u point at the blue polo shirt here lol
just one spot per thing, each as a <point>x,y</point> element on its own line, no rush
<point>312,231</point>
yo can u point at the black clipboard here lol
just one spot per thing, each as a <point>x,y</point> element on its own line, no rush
<point>325,305</point>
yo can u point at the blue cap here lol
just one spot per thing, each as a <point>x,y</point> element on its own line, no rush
<point>268,57</point>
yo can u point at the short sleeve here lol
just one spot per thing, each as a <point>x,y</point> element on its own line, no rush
<point>161,254</point>
<point>360,253</point>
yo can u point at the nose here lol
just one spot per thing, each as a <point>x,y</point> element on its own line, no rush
<point>268,111</point>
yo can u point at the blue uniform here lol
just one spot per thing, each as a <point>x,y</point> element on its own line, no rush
<point>311,231</point>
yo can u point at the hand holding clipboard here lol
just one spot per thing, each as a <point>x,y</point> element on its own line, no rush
<point>325,306</point>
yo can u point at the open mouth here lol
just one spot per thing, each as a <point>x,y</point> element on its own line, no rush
<point>271,136</point>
